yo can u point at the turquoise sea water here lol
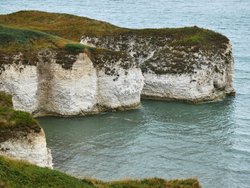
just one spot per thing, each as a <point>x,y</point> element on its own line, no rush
<point>163,139</point>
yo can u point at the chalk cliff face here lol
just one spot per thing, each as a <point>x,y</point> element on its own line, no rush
<point>186,64</point>
<point>174,70</point>
<point>29,146</point>
<point>56,83</point>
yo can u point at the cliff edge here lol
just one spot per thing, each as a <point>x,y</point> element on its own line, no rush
<point>184,64</point>
<point>20,135</point>
<point>48,72</point>
<point>49,75</point>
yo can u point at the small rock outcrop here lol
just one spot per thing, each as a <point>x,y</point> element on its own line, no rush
<point>20,135</point>
<point>30,147</point>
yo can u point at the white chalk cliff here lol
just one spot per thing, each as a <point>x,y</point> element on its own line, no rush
<point>47,88</point>
<point>175,72</point>
<point>28,146</point>
<point>210,80</point>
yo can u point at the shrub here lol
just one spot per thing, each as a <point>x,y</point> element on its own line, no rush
<point>74,48</point>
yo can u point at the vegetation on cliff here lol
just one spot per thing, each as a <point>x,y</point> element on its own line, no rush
<point>14,123</point>
<point>21,174</point>
<point>29,32</point>
<point>15,39</point>
<point>22,45</point>
<point>73,27</point>
<point>63,25</point>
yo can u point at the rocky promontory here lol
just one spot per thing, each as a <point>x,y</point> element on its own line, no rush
<point>48,72</point>
<point>48,75</point>
<point>188,64</point>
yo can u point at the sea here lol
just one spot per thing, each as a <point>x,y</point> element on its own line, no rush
<point>169,140</point>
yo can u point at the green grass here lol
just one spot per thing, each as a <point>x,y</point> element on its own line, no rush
<point>11,35</point>
<point>5,100</point>
<point>13,39</point>
<point>18,174</point>
<point>30,31</point>
<point>73,27</point>
<point>30,42</point>
<point>63,25</point>
<point>74,48</point>
<point>14,123</point>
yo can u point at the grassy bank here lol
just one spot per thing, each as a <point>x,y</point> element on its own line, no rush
<point>72,27</point>
<point>14,123</point>
<point>15,39</point>
<point>20,174</point>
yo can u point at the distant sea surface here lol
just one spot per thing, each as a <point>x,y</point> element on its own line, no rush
<point>161,139</point>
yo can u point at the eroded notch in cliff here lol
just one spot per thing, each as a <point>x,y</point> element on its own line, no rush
<point>44,88</point>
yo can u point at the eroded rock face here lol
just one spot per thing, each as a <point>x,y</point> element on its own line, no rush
<point>51,86</point>
<point>175,72</point>
<point>28,146</point>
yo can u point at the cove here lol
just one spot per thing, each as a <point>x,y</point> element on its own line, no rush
<point>163,139</point>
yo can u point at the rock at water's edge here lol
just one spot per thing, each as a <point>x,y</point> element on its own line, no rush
<point>31,147</point>
<point>47,88</point>
<point>172,71</point>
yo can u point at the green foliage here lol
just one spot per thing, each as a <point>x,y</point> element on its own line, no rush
<point>74,48</point>
<point>21,118</point>
<point>11,35</point>
<point>21,174</point>
<point>152,183</point>
<point>202,38</point>
<point>64,25</point>
<point>13,122</point>
<point>14,39</point>
<point>74,27</point>
<point>5,100</point>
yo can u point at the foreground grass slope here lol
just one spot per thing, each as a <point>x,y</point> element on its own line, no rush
<point>73,27</point>
<point>20,174</point>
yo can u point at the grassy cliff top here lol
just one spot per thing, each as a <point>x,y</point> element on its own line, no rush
<point>14,123</point>
<point>20,174</point>
<point>73,27</point>
<point>14,39</point>
<point>64,25</point>
<point>30,42</point>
